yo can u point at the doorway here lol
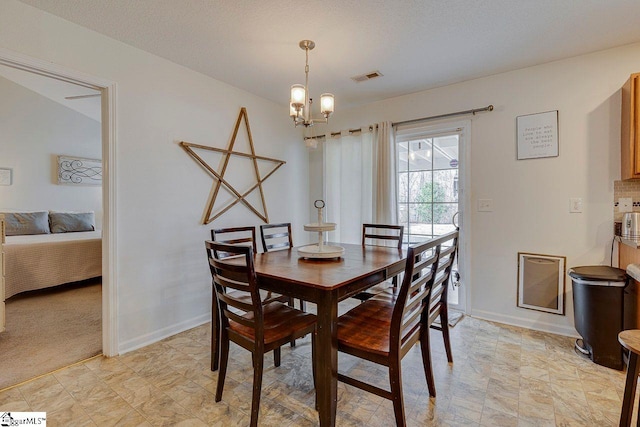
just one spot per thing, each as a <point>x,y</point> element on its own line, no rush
<point>431,196</point>
<point>107,90</point>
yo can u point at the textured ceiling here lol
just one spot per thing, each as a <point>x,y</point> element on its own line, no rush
<point>415,44</point>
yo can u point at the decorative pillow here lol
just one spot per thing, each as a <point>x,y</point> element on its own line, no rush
<point>19,223</point>
<point>65,222</point>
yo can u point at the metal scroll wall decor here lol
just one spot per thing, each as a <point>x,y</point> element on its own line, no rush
<point>79,171</point>
<point>220,181</point>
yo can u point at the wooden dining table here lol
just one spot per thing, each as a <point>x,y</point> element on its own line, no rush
<point>325,282</point>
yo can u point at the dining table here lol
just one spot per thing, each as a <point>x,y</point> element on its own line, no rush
<point>326,282</point>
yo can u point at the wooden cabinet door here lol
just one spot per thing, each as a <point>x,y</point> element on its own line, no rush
<point>630,132</point>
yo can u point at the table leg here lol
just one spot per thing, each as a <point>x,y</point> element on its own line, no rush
<point>327,359</point>
<point>633,369</point>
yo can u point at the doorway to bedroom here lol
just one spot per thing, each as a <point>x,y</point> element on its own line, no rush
<point>52,142</point>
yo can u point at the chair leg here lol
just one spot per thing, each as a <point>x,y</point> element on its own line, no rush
<point>444,325</point>
<point>215,334</point>
<point>395,380</point>
<point>222,371</point>
<point>425,346</point>
<point>276,357</point>
<point>258,362</point>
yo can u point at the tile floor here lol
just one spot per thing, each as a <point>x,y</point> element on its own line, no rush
<point>501,376</point>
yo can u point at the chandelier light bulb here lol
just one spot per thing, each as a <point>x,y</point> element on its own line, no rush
<point>326,103</point>
<point>298,93</point>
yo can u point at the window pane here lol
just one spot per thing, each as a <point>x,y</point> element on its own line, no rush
<point>403,187</point>
<point>442,217</point>
<point>403,155</point>
<point>420,218</point>
<point>420,155</point>
<point>445,185</point>
<point>419,238</point>
<point>420,187</point>
<point>445,152</point>
<point>403,215</point>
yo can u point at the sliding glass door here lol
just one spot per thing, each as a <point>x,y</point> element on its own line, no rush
<point>429,187</point>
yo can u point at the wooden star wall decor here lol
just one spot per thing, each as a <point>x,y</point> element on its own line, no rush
<point>220,181</point>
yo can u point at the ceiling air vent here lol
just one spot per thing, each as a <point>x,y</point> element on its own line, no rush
<point>367,76</point>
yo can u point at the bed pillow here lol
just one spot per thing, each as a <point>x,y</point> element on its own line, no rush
<point>21,223</point>
<point>66,222</point>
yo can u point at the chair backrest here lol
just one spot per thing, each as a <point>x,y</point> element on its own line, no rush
<point>236,286</point>
<point>386,232</point>
<point>413,304</point>
<point>234,236</point>
<point>276,236</point>
<point>439,291</point>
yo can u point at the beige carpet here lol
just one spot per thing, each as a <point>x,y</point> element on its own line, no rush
<point>49,329</point>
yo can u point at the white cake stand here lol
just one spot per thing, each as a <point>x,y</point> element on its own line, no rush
<point>320,250</point>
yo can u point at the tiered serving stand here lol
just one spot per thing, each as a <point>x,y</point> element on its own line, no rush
<point>320,250</point>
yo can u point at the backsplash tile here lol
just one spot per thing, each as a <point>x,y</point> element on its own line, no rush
<point>624,189</point>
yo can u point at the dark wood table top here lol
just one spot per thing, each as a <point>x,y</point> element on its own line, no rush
<point>356,263</point>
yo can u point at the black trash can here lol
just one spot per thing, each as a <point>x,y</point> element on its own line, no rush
<point>604,303</point>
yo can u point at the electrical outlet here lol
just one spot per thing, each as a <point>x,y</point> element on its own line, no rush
<point>575,205</point>
<point>485,205</point>
<point>625,204</point>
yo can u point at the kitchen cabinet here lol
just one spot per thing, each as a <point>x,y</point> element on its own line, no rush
<point>630,131</point>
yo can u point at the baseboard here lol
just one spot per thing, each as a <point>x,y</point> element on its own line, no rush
<point>536,325</point>
<point>155,336</point>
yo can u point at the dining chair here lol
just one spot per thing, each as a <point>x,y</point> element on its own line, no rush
<point>247,321</point>
<point>235,236</point>
<point>276,237</point>
<point>384,330</point>
<point>379,235</point>
<point>438,307</point>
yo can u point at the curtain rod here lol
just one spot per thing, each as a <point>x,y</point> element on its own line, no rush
<point>406,122</point>
<point>442,116</point>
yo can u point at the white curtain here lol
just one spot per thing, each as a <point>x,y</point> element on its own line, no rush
<point>359,181</point>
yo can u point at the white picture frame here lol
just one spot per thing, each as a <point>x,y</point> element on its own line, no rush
<point>79,171</point>
<point>6,176</point>
<point>541,282</point>
<point>537,135</point>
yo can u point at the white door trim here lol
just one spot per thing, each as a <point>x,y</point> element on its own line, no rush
<point>109,132</point>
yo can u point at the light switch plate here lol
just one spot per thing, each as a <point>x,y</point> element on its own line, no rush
<point>575,205</point>
<point>625,204</point>
<point>485,205</point>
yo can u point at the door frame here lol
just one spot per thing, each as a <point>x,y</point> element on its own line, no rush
<point>463,127</point>
<point>109,174</point>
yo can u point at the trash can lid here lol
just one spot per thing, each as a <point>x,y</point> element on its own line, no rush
<point>599,273</point>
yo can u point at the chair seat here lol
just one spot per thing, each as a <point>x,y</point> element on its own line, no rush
<point>281,323</point>
<point>366,327</point>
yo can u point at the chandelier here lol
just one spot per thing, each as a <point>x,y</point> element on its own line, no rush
<point>300,103</point>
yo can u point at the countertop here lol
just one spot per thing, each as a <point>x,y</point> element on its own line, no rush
<point>634,243</point>
<point>633,270</point>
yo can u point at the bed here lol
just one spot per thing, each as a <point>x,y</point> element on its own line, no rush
<point>41,261</point>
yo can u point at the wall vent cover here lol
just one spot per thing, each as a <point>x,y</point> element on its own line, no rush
<point>368,76</point>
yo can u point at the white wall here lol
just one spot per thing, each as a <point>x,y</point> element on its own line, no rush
<point>530,197</point>
<point>163,279</point>
<point>33,131</point>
